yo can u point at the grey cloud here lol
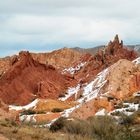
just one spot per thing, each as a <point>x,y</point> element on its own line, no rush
<point>40,22</point>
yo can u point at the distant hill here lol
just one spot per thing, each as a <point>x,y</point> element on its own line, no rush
<point>95,49</point>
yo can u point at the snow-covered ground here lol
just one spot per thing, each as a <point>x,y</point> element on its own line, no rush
<point>28,118</point>
<point>72,70</point>
<point>26,107</point>
<point>90,90</point>
<point>71,91</point>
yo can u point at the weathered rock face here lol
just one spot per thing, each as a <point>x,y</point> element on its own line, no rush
<point>123,79</point>
<point>27,79</point>
<point>90,108</point>
<point>111,53</point>
<point>4,65</point>
<point>4,111</point>
<point>60,59</point>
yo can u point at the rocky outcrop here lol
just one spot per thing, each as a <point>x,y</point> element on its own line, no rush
<point>27,79</point>
<point>60,59</point>
<point>123,80</point>
<point>4,65</point>
<point>104,58</point>
<point>90,108</point>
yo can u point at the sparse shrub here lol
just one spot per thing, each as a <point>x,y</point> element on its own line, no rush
<point>130,110</point>
<point>62,95</point>
<point>54,110</point>
<point>116,113</point>
<point>128,119</point>
<point>28,112</point>
<point>15,131</point>
<point>104,128</point>
<point>76,126</point>
<point>40,112</point>
<point>118,106</point>
<point>58,124</point>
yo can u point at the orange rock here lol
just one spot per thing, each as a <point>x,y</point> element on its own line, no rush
<point>44,118</point>
<point>90,108</point>
<point>61,59</point>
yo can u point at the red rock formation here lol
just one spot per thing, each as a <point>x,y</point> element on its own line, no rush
<point>60,59</point>
<point>103,59</point>
<point>123,80</point>
<point>90,108</point>
<point>27,79</point>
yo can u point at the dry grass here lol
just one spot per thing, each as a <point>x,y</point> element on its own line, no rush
<point>95,128</point>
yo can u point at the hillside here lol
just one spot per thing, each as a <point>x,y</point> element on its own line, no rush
<point>40,89</point>
<point>28,79</point>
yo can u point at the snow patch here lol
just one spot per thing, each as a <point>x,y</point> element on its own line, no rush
<point>27,118</point>
<point>131,106</point>
<point>26,107</point>
<point>70,92</point>
<point>72,70</point>
<point>92,89</point>
<point>101,112</point>
<point>137,94</point>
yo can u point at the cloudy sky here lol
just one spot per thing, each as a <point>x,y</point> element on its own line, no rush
<point>44,25</point>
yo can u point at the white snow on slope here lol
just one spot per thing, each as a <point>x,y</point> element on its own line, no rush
<point>136,61</point>
<point>92,89</point>
<point>101,112</point>
<point>72,70</point>
<point>136,94</point>
<point>131,106</point>
<point>26,107</point>
<point>70,92</point>
<point>28,118</point>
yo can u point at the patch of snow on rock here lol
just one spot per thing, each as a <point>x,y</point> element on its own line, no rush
<point>92,89</point>
<point>26,107</point>
<point>27,118</point>
<point>101,112</point>
<point>70,92</point>
<point>72,70</point>
<point>137,94</point>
